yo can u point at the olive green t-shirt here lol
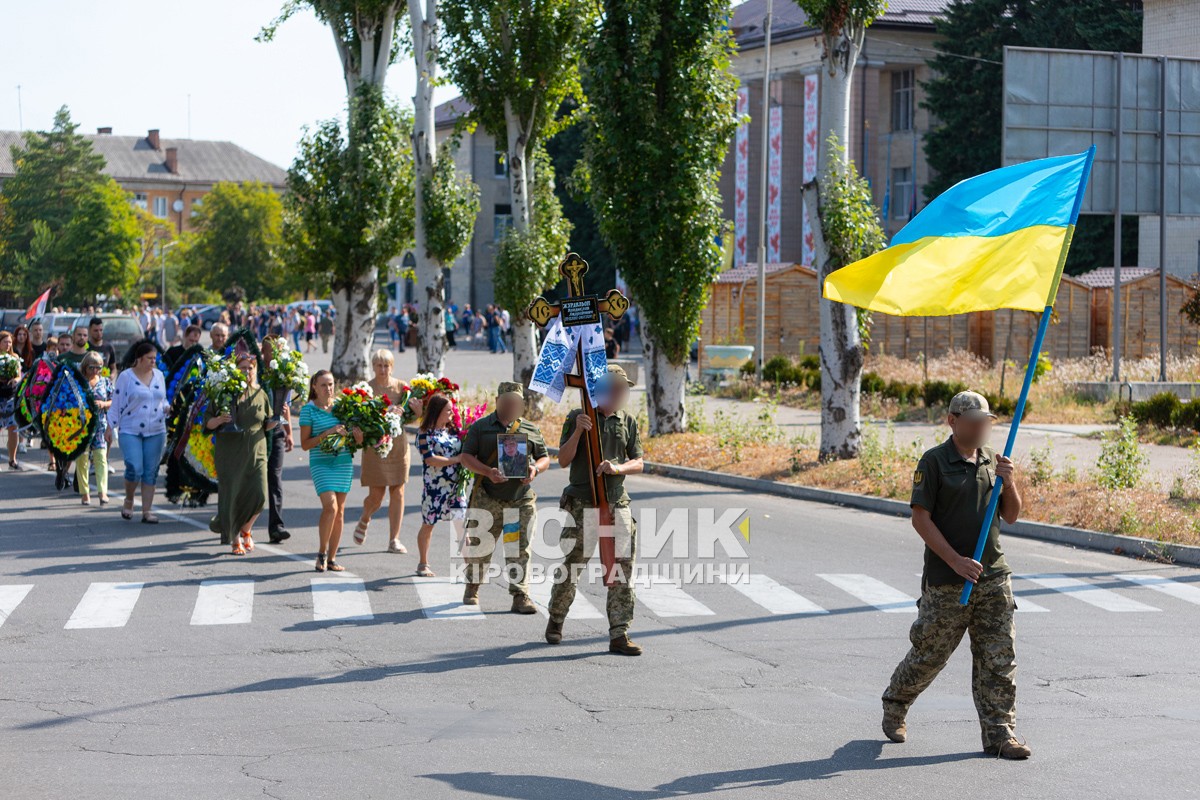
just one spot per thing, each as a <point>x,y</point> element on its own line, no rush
<point>619,443</point>
<point>956,492</point>
<point>481,443</point>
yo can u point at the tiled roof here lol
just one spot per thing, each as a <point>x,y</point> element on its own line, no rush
<point>1103,277</point>
<point>749,272</point>
<point>131,158</point>
<point>447,113</point>
<point>791,23</point>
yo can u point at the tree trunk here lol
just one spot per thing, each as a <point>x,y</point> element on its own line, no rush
<point>354,331</point>
<point>665,383</point>
<point>431,331</point>
<point>840,348</point>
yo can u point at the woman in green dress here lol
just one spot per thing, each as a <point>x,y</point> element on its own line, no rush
<point>241,461</point>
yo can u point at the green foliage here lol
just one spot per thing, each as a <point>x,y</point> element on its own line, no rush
<point>661,117</point>
<point>1005,406</point>
<point>1187,416</point>
<point>1187,486</point>
<point>937,394</point>
<point>97,252</point>
<point>849,219</point>
<point>349,208</point>
<point>527,263</point>
<point>1041,465</point>
<point>1191,309</point>
<point>776,368</point>
<point>1122,463</point>
<point>965,92</point>
<point>451,206</point>
<point>566,154</point>
<point>1159,410</point>
<point>901,392</point>
<point>872,382</point>
<point>733,433</point>
<point>832,16</point>
<point>1043,366</point>
<point>237,238</point>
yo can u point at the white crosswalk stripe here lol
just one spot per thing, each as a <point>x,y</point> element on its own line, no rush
<point>11,597</point>
<point>340,599</point>
<point>1180,591</point>
<point>873,592</point>
<point>581,607</point>
<point>105,605</point>
<point>224,601</point>
<point>441,598</point>
<point>1088,593</point>
<point>665,598</point>
<point>772,595</point>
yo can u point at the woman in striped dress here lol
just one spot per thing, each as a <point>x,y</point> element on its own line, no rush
<point>331,473</point>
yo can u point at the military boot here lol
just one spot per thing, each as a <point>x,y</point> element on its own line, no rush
<point>1011,748</point>
<point>622,645</point>
<point>471,595</point>
<point>895,728</point>
<point>553,632</point>
<point>523,605</point>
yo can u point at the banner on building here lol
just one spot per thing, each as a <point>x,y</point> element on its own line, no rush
<point>741,175</point>
<point>811,128</point>
<point>774,181</point>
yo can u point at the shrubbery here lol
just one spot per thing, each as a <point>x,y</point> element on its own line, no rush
<point>1165,410</point>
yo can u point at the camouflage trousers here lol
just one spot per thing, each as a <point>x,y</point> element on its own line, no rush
<point>941,623</point>
<point>511,524</point>
<point>578,544</point>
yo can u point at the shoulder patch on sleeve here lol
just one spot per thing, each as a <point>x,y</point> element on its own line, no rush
<point>918,477</point>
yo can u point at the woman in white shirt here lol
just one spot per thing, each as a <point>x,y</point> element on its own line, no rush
<point>139,416</point>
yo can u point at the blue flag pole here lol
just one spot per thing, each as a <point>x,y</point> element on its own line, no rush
<point>1030,369</point>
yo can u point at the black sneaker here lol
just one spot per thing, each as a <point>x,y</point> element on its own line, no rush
<point>275,537</point>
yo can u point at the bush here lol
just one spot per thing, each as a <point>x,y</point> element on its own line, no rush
<point>902,392</point>
<point>1187,416</point>
<point>1159,411</point>
<point>1122,463</point>
<point>1005,406</point>
<point>777,369</point>
<point>810,378</point>
<point>747,369</point>
<point>811,361</point>
<point>937,394</point>
<point>872,383</point>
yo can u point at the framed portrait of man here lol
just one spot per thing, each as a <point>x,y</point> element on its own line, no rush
<point>513,450</point>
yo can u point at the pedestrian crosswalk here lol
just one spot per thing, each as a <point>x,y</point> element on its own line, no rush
<point>337,599</point>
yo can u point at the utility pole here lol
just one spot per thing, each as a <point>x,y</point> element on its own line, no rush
<point>762,198</point>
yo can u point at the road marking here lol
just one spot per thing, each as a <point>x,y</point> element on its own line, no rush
<point>1024,604</point>
<point>581,607</point>
<point>665,598</point>
<point>11,597</point>
<point>1180,591</point>
<point>1088,593</point>
<point>224,601</point>
<point>267,548</point>
<point>873,592</point>
<point>772,595</point>
<point>441,598</point>
<point>105,605</point>
<point>340,599</point>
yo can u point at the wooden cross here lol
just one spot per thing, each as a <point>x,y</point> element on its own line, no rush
<point>580,308</point>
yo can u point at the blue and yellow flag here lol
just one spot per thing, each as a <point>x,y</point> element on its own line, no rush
<point>998,240</point>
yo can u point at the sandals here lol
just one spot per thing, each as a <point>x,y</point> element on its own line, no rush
<point>127,509</point>
<point>13,466</point>
<point>103,499</point>
<point>360,531</point>
<point>149,519</point>
<point>320,562</point>
<point>238,550</point>
<point>423,571</point>
<point>394,546</point>
<point>334,566</point>
<point>247,542</point>
<point>85,500</point>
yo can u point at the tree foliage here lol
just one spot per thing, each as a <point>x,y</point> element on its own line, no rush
<point>661,118</point>
<point>527,262</point>
<point>565,150</point>
<point>237,238</point>
<point>349,209</point>
<point>840,19</point>
<point>965,93</point>
<point>451,206</point>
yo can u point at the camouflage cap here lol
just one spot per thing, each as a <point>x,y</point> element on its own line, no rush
<point>619,371</point>
<point>972,405</point>
<point>510,387</point>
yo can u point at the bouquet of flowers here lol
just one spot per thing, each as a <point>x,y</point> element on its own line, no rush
<point>10,367</point>
<point>461,420</point>
<point>425,384</point>
<point>284,376</point>
<point>358,407</point>
<point>224,383</point>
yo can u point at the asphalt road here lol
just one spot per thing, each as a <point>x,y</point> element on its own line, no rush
<point>144,662</point>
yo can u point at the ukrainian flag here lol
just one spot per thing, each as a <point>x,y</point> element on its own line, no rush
<point>998,240</point>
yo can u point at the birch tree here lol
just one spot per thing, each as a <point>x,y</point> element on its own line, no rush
<point>843,25</point>
<point>364,33</point>
<point>516,62</point>
<point>661,117</point>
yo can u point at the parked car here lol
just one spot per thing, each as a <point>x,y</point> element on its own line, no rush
<point>305,305</point>
<point>120,330</point>
<point>58,324</point>
<point>10,318</point>
<point>206,316</point>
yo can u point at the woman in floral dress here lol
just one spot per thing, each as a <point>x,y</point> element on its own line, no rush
<point>96,455</point>
<point>441,498</point>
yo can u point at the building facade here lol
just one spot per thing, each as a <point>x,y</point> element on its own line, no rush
<point>167,178</point>
<point>887,123</point>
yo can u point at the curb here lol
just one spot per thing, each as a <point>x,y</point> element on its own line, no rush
<point>1134,546</point>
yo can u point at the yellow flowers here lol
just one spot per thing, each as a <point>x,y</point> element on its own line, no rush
<point>200,451</point>
<point>67,428</point>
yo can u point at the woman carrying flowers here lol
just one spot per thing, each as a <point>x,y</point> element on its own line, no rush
<point>442,496</point>
<point>92,368</point>
<point>10,376</point>
<point>330,462</point>
<point>388,474</point>
<point>240,453</point>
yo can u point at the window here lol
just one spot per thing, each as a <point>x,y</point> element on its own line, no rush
<point>160,207</point>
<point>500,164</point>
<point>902,193</point>
<point>902,100</point>
<point>139,200</point>
<point>501,221</point>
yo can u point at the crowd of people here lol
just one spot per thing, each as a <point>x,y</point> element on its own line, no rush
<point>489,327</point>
